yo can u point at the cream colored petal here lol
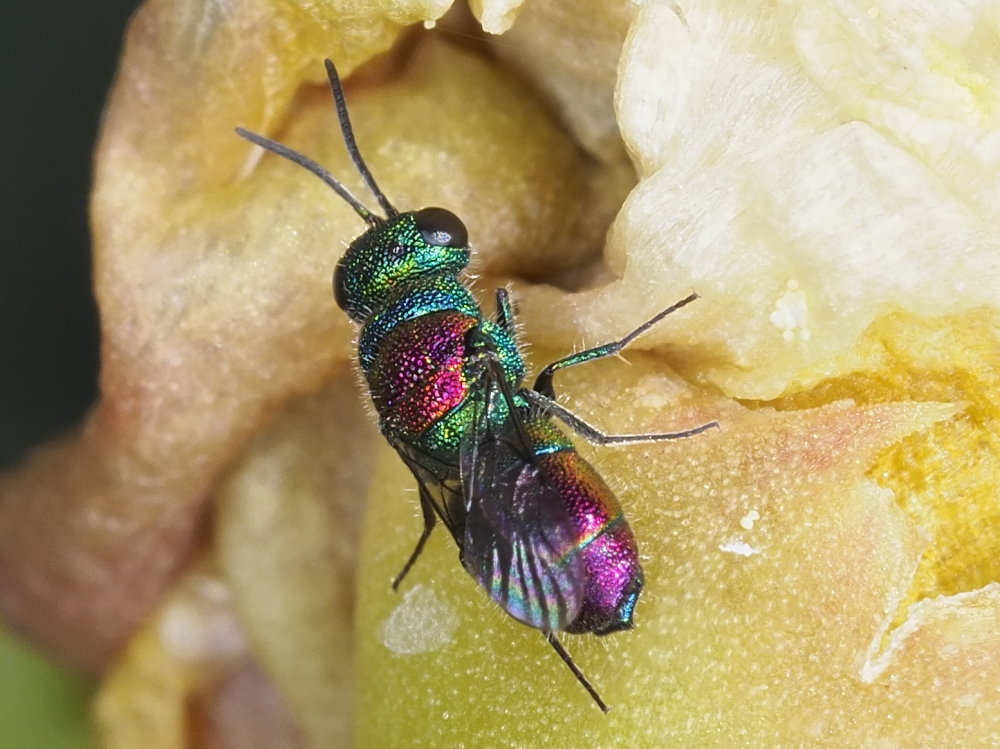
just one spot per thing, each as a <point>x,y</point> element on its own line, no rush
<point>770,188</point>
<point>495,16</point>
<point>288,530</point>
<point>571,53</point>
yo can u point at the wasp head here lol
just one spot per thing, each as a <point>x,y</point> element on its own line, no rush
<point>394,253</point>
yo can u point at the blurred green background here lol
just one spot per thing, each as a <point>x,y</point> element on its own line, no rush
<point>57,60</point>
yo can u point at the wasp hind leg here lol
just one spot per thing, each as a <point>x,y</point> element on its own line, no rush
<point>542,395</point>
<point>584,682</point>
<point>595,436</point>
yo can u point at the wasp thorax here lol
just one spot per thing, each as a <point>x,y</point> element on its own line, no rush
<point>395,253</point>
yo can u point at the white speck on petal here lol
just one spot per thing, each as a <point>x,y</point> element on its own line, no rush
<point>791,313</point>
<point>747,521</point>
<point>651,394</point>
<point>422,622</point>
<point>736,546</point>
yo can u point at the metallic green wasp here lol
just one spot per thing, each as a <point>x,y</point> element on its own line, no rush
<point>535,524</point>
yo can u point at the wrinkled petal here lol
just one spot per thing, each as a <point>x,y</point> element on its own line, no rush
<point>288,530</point>
<point>187,678</point>
<point>201,337</point>
<point>765,189</point>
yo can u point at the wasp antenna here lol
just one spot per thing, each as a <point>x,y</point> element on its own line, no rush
<point>352,146</point>
<point>304,161</point>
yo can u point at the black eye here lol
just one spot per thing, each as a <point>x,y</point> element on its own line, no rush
<point>441,228</point>
<point>339,287</point>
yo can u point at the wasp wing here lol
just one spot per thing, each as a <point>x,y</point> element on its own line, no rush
<point>439,485</point>
<point>519,541</point>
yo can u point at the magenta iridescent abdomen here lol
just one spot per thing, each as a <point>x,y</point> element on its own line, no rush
<point>607,547</point>
<point>419,380</point>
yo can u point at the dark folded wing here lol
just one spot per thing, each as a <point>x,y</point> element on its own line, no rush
<point>519,541</point>
<point>439,485</point>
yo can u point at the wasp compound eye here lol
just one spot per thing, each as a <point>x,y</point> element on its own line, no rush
<point>340,295</point>
<point>441,228</point>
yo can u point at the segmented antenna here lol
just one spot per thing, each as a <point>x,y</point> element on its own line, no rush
<point>304,161</point>
<point>352,149</point>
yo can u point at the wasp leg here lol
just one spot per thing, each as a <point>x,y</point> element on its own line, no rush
<point>557,646</point>
<point>429,519</point>
<point>596,436</point>
<point>505,311</point>
<point>543,383</point>
<point>482,346</point>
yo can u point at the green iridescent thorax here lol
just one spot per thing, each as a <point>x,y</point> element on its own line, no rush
<point>390,255</point>
<point>423,296</point>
